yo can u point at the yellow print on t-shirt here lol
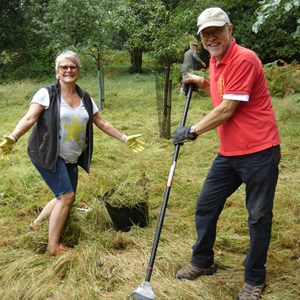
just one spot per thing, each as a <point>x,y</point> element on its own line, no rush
<point>74,130</point>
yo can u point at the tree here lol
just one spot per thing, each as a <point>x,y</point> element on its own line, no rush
<point>133,21</point>
<point>267,28</point>
<point>175,21</point>
<point>28,56</point>
<point>281,17</point>
<point>23,45</point>
<point>86,26</point>
<point>274,9</point>
<point>11,25</point>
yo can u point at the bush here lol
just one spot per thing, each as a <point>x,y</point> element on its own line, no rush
<point>283,80</point>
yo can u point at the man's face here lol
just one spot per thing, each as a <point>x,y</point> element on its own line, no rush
<point>216,40</point>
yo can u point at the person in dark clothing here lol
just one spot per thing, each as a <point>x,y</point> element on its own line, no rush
<point>191,62</point>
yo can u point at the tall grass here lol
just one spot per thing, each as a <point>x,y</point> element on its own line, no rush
<point>106,264</point>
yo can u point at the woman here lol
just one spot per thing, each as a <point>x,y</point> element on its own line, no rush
<point>62,140</point>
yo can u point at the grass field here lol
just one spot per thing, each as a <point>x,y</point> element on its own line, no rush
<point>109,265</point>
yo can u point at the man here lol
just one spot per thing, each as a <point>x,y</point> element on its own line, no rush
<point>249,150</point>
<point>191,61</point>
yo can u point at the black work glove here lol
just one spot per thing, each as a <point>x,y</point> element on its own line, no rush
<point>182,134</point>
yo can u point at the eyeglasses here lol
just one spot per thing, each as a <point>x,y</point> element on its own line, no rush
<point>216,33</point>
<point>66,68</point>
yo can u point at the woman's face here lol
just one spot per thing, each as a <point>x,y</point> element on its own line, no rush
<point>216,40</point>
<point>68,71</point>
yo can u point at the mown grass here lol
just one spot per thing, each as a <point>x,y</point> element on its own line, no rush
<point>106,264</point>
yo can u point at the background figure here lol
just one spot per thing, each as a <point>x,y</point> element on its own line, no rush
<point>62,140</point>
<point>191,62</point>
<point>249,150</point>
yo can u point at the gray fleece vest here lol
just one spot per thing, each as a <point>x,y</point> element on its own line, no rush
<point>43,143</point>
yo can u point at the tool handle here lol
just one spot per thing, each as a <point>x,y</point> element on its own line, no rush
<point>168,189</point>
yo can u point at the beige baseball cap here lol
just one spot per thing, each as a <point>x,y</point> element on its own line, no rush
<point>213,16</point>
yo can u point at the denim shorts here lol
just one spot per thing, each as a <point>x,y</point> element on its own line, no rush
<point>63,180</point>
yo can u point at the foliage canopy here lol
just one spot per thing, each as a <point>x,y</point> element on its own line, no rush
<point>34,32</point>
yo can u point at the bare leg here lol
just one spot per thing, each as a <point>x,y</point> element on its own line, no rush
<point>45,213</point>
<point>58,218</point>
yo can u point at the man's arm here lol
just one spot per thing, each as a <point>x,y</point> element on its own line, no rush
<point>198,59</point>
<point>217,116</point>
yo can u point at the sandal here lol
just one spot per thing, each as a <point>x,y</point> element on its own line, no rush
<point>33,227</point>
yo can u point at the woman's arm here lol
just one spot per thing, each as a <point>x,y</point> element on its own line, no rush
<point>133,142</point>
<point>28,120</point>
<point>106,127</point>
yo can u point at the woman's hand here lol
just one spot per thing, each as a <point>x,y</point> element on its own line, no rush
<point>134,143</point>
<point>6,146</point>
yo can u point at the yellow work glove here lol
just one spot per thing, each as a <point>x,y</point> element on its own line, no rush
<point>133,142</point>
<point>6,146</point>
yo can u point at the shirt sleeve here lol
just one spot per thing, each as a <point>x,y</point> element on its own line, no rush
<point>41,97</point>
<point>241,78</point>
<point>238,97</point>
<point>197,58</point>
<point>95,107</point>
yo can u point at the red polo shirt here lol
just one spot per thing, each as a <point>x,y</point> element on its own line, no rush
<point>253,127</point>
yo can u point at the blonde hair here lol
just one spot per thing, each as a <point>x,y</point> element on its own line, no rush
<point>68,54</point>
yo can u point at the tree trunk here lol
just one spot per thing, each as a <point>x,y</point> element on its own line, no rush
<point>166,116</point>
<point>136,60</point>
<point>100,83</point>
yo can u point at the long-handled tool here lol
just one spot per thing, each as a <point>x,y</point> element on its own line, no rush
<point>144,291</point>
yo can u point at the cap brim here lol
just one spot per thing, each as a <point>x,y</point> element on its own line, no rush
<point>211,24</point>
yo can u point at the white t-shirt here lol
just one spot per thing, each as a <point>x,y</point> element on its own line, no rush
<point>72,125</point>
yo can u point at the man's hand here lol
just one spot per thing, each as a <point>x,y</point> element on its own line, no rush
<point>183,134</point>
<point>194,79</point>
<point>186,88</point>
<point>6,146</point>
<point>134,143</point>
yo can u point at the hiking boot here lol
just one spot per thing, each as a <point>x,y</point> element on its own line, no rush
<point>250,292</point>
<point>191,272</point>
